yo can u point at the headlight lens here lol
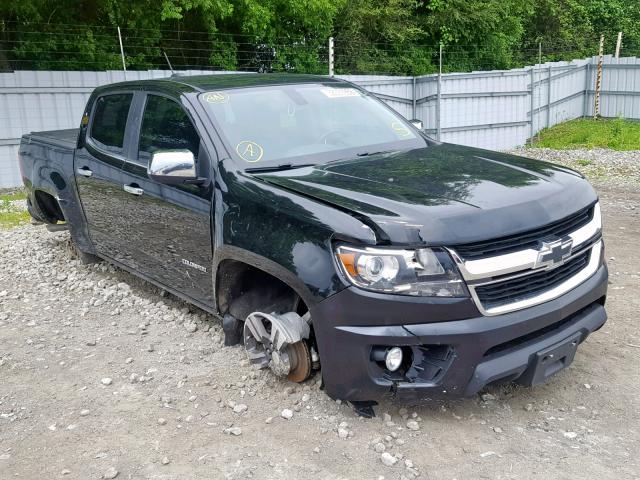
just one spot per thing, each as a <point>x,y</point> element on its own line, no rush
<point>421,272</point>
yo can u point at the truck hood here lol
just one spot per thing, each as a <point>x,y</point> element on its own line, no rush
<point>443,194</point>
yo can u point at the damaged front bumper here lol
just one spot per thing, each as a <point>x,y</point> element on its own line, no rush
<point>451,349</point>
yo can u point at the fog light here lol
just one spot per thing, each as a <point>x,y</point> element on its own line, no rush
<point>393,359</point>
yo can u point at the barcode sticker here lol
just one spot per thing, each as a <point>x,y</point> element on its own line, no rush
<point>340,92</point>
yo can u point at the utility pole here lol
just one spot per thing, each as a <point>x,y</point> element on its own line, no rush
<point>168,62</point>
<point>596,106</point>
<point>540,80</point>
<point>439,96</point>
<point>618,44</point>
<point>331,52</point>
<point>124,65</point>
<point>532,104</point>
<point>540,53</point>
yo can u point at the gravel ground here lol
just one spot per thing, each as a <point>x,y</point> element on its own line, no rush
<point>600,165</point>
<point>102,376</point>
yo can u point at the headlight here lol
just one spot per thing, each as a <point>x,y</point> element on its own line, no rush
<point>422,272</point>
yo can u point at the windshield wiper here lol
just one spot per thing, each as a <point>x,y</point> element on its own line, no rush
<point>278,168</point>
<point>368,154</point>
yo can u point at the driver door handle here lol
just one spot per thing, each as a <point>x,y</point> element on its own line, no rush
<point>84,171</point>
<point>133,190</point>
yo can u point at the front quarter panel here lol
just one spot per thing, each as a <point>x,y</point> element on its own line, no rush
<point>284,234</point>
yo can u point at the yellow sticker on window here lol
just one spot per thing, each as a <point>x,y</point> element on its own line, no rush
<point>400,129</point>
<point>250,151</point>
<point>216,97</point>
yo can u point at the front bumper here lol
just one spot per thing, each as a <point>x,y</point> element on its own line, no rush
<point>455,351</point>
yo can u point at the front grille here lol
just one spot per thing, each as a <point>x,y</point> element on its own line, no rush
<point>516,289</point>
<point>528,239</point>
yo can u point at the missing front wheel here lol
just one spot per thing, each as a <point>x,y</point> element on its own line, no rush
<point>279,342</point>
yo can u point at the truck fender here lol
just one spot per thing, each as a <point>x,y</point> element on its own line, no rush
<point>228,252</point>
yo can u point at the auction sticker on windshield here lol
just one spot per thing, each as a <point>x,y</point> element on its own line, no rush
<point>340,92</point>
<point>400,129</point>
<point>250,151</point>
<point>216,97</point>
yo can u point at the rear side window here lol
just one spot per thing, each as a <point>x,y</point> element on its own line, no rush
<point>110,120</point>
<point>166,126</point>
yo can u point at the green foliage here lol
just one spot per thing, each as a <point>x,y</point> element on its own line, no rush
<point>617,134</point>
<point>371,36</point>
<point>477,34</point>
<point>382,36</point>
<point>573,27</point>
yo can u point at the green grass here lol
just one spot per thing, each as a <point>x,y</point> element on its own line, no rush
<point>616,134</point>
<point>10,214</point>
<point>10,197</point>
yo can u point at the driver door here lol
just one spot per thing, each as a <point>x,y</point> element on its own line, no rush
<point>168,229</point>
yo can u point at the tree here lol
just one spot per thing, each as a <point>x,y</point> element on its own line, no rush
<point>381,36</point>
<point>371,36</point>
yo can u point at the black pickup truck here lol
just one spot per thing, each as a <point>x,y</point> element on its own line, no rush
<point>329,232</point>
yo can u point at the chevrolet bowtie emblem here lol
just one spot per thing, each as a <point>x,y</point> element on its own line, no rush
<point>553,251</point>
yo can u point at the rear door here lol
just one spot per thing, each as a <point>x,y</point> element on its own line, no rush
<point>168,228</point>
<point>98,168</point>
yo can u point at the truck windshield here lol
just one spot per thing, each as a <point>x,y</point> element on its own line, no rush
<point>306,123</point>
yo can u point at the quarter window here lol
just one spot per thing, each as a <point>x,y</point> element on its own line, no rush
<point>110,120</point>
<point>166,126</point>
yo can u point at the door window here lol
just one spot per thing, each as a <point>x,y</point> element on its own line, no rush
<point>110,120</point>
<point>165,126</point>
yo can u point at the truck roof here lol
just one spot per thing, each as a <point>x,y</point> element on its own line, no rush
<point>204,83</point>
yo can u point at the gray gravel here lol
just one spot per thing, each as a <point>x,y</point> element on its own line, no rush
<point>599,165</point>
<point>180,405</point>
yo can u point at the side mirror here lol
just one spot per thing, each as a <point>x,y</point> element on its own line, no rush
<point>416,123</point>
<point>173,167</point>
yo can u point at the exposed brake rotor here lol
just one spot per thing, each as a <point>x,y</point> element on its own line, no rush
<point>278,342</point>
<point>302,369</point>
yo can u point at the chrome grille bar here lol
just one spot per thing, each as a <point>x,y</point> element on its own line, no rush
<point>501,268</point>
<point>523,259</point>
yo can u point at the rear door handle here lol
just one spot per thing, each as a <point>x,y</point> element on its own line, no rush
<point>84,171</point>
<point>133,190</point>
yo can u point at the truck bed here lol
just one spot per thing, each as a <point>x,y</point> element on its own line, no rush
<point>61,138</point>
<point>46,165</point>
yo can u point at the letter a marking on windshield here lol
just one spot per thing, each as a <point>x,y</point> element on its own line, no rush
<point>250,151</point>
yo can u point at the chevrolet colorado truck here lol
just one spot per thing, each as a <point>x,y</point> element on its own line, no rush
<point>329,233</point>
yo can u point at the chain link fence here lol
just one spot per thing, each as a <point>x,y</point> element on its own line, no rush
<point>40,46</point>
<point>462,94</point>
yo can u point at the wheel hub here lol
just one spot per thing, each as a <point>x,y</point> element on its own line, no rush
<point>280,364</point>
<point>277,342</point>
